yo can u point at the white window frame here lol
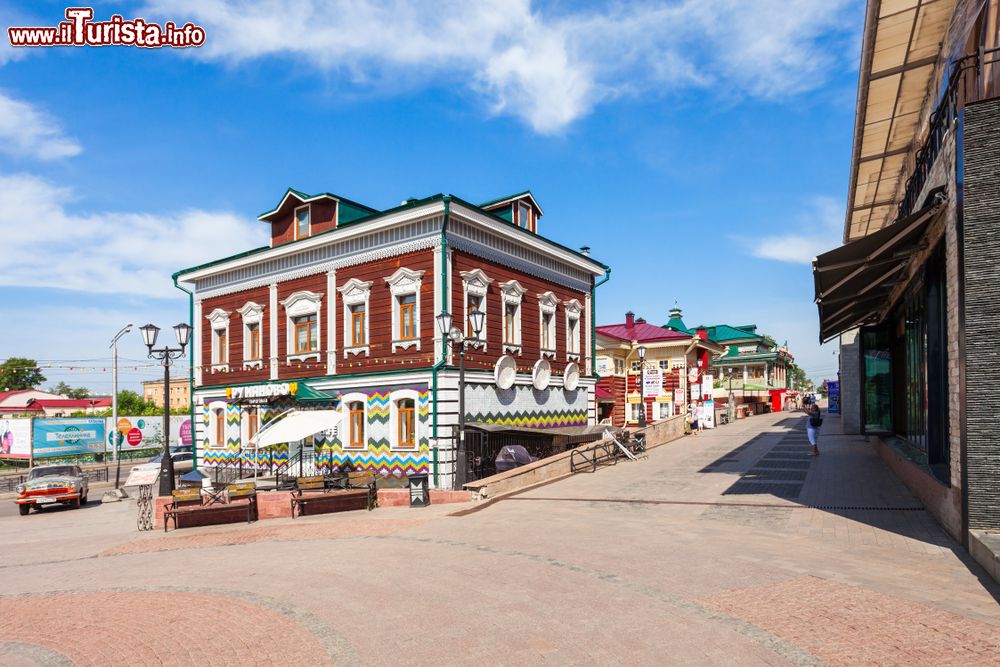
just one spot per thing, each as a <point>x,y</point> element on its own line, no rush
<point>524,222</point>
<point>300,304</point>
<point>547,303</point>
<point>573,311</point>
<point>635,366</point>
<point>404,282</point>
<point>619,366</point>
<point>295,222</point>
<point>218,320</point>
<point>213,424</point>
<point>394,400</point>
<point>511,293</point>
<point>664,364</point>
<point>634,410</point>
<point>345,420</point>
<point>353,293</point>
<point>476,283</point>
<point>252,313</point>
<point>659,410</point>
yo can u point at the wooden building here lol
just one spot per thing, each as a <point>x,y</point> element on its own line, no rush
<point>338,313</point>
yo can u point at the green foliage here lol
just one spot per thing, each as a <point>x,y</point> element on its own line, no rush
<point>798,380</point>
<point>20,373</point>
<point>70,392</point>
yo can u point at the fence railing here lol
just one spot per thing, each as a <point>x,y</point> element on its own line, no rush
<point>975,76</point>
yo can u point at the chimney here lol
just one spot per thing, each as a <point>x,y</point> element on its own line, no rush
<point>675,312</point>
<point>702,333</point>
<point>585,250</point>
<point>641,320</point>
<point>630,319</point>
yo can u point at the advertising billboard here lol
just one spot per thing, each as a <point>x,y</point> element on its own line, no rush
<point>15,438</point>
<point>66,437</point>
<point>146,432</point>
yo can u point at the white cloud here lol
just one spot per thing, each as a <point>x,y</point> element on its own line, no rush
<point>122,253</point>
<point>26,131</point>
<point>548,69</point>
<point>818,229</point>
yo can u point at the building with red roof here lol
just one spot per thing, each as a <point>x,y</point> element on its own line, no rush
<point>38,403</point>
<point>674,363</point>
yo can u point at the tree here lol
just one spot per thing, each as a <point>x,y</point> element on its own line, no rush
<point>64,389</point>
<point>131,403</point>
<point>20,373</point>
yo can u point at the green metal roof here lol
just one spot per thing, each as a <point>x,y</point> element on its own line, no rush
<point>677,324</point>
<point>723,332</point>
<point>305,196</point>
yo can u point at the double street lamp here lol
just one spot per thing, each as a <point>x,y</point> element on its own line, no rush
<point>165,355</point>
<point>455,337</point>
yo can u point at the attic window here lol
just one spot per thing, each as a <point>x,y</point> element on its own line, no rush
<point>302,222</point>
<point>524,216</point>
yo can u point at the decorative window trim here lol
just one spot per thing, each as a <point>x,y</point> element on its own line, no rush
<point>394,400</point>
<point>353,293</point>
<point>404,282</point>
<point>213,424</point>
<point>218,320</point>
<point>345,401</point>
<point>573,310</point>
<point>300,304</point>
<point>295,222</point>
<point>476,283</point>
<point>252,313</point>
<point>511,293</point>
<point>547,303</point>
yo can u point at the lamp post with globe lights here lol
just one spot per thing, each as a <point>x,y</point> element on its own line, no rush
<point>454,337</point>
<point>165,355</point>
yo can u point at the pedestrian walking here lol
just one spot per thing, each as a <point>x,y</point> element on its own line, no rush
<point>692,418</point>
<point>813,424</point>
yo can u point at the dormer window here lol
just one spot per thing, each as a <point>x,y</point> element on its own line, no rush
<point>524,216</point>
<point>302,222</point>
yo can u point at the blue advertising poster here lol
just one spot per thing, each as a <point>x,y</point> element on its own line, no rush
<point>66,437</point>
<point>833,394</point>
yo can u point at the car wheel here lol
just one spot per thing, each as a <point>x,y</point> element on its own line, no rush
<point>23,509</point>
<point>76,502</point>
<point>83,500</point>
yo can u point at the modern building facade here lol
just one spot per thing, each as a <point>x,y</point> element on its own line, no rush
<point>912,292</point>
<point>180,393</point>
<point>661,382</point>
<point>338,314</point>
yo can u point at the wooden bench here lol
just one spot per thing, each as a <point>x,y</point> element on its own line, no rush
<point>316,491</point>
<point>364,479</point>
<point>191,503</point>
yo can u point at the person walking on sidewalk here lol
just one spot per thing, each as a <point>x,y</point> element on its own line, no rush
<point>813,423</point>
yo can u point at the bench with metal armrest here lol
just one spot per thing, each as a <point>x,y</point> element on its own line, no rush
<point>317,494</point>
<point>211,508</point>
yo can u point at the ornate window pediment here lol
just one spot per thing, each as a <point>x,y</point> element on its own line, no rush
<point>548,301</point>
<point>218,318</point>
<point>475,285</point>
<point>251,312</point>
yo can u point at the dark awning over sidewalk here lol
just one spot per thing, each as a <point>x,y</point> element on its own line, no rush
<point>854,280</point>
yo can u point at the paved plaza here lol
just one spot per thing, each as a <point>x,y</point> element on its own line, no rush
<point>732,547</point>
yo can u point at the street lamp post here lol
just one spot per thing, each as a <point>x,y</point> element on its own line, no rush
<point>454,336</point>
<point>116,434</point>
<point>642,386</point>
<point>165,355</point>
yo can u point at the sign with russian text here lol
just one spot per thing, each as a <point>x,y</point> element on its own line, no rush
<point>652,381</point>
<point>833,397</point>
<point>604,366</point>
<point>15,438</point>
<point>67,437</point>
<point>261,393</point>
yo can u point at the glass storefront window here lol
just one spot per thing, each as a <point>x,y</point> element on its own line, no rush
<point>877,381</point>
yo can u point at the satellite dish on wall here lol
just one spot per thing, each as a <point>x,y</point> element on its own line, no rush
<point>571,377</point>
<point>505,372</point>
<point>541,374</point>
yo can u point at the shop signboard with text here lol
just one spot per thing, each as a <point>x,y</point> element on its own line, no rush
<point>146,432</point>
<point>652,381</point>
<point>67,437</point>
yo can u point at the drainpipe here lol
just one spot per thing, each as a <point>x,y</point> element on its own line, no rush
<point>191,344</point>
<point>593,319</point>
<point>444,343</point>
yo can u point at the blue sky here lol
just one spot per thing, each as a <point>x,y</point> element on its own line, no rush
<point>700,147</point>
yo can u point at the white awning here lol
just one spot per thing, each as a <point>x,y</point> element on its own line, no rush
<point>297,425</point>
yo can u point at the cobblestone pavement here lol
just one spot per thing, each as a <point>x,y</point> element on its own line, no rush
<point>726,548</point>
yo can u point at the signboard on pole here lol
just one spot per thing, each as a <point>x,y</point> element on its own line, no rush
<point>67,437</point>
<point>707,384</point>
<point>707,417</point>
<point>15,438</point>
<point>652,381</point>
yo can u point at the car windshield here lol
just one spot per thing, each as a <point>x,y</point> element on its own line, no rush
<point>47,471</point>
<point>156,459</point>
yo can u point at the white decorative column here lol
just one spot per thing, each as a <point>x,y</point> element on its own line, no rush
<point>588,350</point>
<point>197,342</point>
<point>331,322</point>
<point>437,302</point>
<point>273,338</point>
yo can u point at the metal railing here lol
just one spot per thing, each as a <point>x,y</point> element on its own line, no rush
<point>975,76</point>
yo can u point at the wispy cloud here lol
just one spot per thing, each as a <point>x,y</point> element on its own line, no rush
<point>109,252</point>
<point>817,229</point>
<point>27,131</point>
<point>547,68</point>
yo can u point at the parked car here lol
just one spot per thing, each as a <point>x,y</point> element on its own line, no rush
<point>50,485</point>
<point>183,462</point>
<point>513,456</point>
